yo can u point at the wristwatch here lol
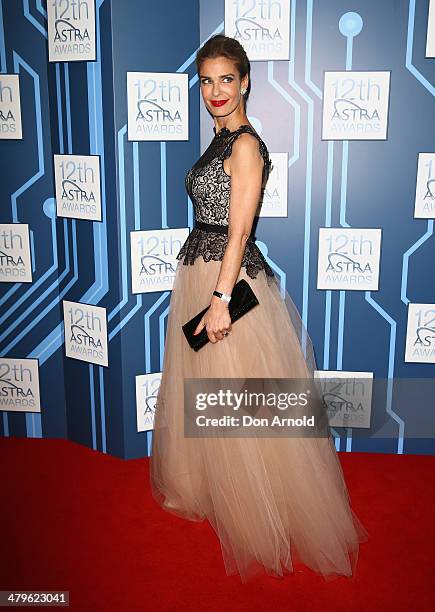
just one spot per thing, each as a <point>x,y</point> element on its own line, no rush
<point>223,296</point>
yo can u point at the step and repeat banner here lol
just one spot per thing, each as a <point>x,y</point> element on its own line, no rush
<point>101,118</point>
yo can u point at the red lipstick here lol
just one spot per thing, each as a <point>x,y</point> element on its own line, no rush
<point>219,102</point>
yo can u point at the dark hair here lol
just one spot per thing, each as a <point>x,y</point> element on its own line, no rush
<point>224,46</point>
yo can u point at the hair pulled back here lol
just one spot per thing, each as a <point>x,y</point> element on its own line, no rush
<point>225,46</point>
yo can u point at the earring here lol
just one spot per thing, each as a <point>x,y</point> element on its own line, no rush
<point>243,91</point>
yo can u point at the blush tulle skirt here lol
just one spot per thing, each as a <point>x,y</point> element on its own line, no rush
<point>273,502</point>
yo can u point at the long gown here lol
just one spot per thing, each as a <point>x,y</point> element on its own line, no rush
<point>272,502</point>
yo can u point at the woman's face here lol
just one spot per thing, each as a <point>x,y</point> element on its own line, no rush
<point>220,86</point>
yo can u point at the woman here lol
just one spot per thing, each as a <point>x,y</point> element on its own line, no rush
<point>271,501</point>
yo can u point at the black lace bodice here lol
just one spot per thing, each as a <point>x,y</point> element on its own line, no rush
<point>209,187</point>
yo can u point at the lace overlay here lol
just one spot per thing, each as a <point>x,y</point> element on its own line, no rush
<point>209,187</point>
<point>212,245</point>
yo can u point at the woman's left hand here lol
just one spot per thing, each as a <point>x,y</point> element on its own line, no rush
<point>216,320</point>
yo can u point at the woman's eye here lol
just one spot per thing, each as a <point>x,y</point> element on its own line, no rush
<point>225,79</point>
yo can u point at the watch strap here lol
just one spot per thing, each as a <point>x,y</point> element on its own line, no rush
<point>223,296</point>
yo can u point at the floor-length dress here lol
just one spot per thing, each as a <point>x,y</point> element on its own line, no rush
<point>271,501</point>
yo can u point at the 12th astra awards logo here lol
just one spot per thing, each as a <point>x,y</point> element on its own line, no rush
<point>157,105</point>
<point>19,385</point>
<point>348,258</point>
<point>424,207</point>
<point>262,28</point>
<point>274,196</point>
<point>147,388</point>
<point>348,397</point>
<point>85,332</point>
<point>355,105</point>
<point>15,259</point>
<point>420,336</point>
<point>77,179</point>
<point>71,30</point>
<point>154,258</point>
<point>10,107</point>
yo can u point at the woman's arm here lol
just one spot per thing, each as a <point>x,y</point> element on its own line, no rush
<point>246,170</point>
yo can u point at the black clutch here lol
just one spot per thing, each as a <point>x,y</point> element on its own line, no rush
<point>242,300</point>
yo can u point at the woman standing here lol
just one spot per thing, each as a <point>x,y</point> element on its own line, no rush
<point>271,501</point>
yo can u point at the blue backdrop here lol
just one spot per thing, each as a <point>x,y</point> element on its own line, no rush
<point>81,107</point>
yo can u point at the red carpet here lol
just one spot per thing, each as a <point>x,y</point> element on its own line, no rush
<point>79,520</point>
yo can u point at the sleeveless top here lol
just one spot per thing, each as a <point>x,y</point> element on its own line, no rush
<point>209,187</point>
